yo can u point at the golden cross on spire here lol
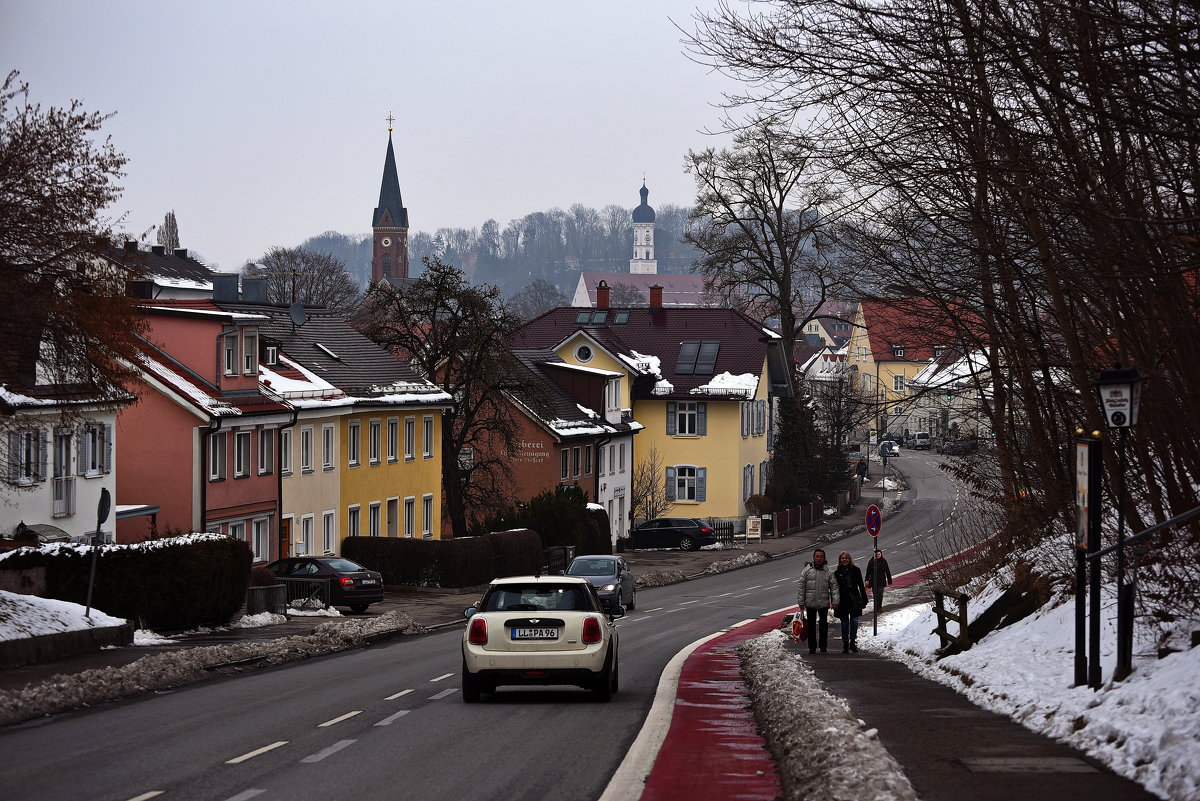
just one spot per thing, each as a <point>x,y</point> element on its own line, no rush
<point>390,120</point>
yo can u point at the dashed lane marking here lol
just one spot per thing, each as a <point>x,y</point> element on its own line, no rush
<point>391,718</point>
<point>339,719</point>
<point>443,694</point>
<point>148,795</point>
<point>330,751</point>
<point>245,794</point>
<point>256,752</point>
<point>443,676</point>
<point>397,695</point>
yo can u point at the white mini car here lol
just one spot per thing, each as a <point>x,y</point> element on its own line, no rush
<point>540,630</point>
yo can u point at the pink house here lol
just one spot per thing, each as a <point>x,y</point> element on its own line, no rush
<point>202,441</point>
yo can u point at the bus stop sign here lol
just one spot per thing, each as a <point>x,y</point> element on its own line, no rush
<point>874,520</point>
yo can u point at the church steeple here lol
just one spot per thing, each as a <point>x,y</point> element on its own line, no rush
<point>389,224</point>
<point>643,260</point>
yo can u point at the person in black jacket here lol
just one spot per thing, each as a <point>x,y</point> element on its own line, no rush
<point>852,599</point>
<point>884,578</point>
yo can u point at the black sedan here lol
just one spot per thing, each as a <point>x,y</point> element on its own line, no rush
<point>684,533</point>
<point>349,583</point>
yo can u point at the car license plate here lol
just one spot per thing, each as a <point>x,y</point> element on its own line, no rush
<point>550,633</point>
<point>366,581</point>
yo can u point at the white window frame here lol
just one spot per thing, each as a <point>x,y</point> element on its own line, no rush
<point>393,437</point>
<point>285,451</point>
<point>229,361</point>
<point>241,454</point>
<point>266,450</point>
<point>427,437</point>
<point>898,383</point>
<point>306,449</point>
<point>261,544</point>
<point>307,527</point>
<point>685,486</point>
<point>353,520</point>
<point>328,447</point>
<point>250,353</point>
<point>328,530</point>
<point>427,515</point>
<point>687,416</point>
<point>217,456</point>
<point>354,444</point>
<point>95,449</point>
<point>410,438</point>
<point>621,458</point>
<point>410,517</point>
<point>374,519</point>
<point>375,440</point>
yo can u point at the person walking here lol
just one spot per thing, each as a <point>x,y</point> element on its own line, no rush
<point>852,599</point>
<point>861,470</point>
<point>816,592</point>
<point>877,581</point>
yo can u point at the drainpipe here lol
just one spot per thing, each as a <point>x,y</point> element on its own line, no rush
<point>204,451</point>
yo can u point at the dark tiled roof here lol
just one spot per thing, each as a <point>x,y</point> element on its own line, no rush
<point>678,290</point>
<point>660,332</point>
<point>547,399</point>
<point>159,262</point>
<point>330,347</point>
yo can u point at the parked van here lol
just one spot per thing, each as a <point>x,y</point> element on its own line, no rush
<point>918,441</point>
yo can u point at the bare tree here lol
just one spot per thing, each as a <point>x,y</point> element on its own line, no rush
<point>648,488</point>
<point>298,275</point>
<point>457,336</point>
<point>627,296</point>
<point>168,232</point>
<point>66,319</point>
<point>539,297</point>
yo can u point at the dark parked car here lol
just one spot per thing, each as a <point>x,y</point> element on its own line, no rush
<point>611,577</point>
<point>350,584</point>
<point>684,533</point>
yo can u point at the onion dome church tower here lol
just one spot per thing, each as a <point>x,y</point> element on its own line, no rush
<point>643,237</point>
<point>389,257</point>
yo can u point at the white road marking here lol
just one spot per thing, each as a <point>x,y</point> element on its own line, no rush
<point>346,716</point>
<point>443,694</point>
<point>780,581</point>
<point>388,720</point>
<point>331,750</point>
<point>443,676</point>
<point>144,796</point>
<point>397,695</point>
<point>245,794</point>
<point>256,752</point>
<point>741,623</point>
<point>685,603</point>
<point>655,609</point>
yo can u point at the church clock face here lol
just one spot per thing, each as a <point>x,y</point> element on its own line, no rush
<point>386,242</point>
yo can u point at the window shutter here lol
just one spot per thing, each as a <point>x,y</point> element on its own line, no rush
<point>670,483</point>
<point>701,474</point>
<point>108,447</point>
<point>81,451</point>
<point>14,456</point>
<point>745,419</point>
<point>671,412</point>
<point>43,455</point>
<point>701,419</point>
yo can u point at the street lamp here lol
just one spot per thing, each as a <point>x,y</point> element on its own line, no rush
<point>1120,393</point>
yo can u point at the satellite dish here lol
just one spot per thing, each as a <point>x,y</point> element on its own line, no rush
<point>298,314</point>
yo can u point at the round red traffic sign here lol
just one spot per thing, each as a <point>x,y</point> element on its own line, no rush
<point>874,520</point>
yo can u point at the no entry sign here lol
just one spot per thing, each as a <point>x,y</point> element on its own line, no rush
<point>874,520</point>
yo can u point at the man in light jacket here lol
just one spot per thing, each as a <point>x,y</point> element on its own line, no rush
<point>816,592</point>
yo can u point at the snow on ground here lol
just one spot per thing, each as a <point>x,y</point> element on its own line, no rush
<point>1145,728</point>
<point>29,616</point>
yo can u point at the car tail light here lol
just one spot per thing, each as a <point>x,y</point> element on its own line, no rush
<point>346,581</point>
<point>591,630</point>
<point>478,632</point>
<point>705,530</point>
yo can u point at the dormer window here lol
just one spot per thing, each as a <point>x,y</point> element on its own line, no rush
<point>250,353</point>
<point>938,350</point>
<point>271,355</point>
<point>898,351</point>
<point>229,354</point>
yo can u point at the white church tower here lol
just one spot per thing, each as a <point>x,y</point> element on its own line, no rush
<point>643,261</point>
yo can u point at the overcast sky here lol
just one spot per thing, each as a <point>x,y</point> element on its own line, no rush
<point>262,123</point>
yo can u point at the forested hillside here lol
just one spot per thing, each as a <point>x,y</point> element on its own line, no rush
<point>553,245</point>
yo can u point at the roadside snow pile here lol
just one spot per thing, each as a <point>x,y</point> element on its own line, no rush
<point>812,758</point>
<point>188,665</point>
<point>660,578</point>
<point>28,616</point>
<point>745,560</point>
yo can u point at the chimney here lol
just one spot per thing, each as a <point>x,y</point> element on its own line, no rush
<point>656,296</point>
<point>181,253</point>
<point>131,246</point>
<point>602,294</point>
<point>159,250</point>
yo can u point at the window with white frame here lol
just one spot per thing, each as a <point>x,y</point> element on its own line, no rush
<point>229,363</point>
<point>62,452</point>
<point>575,461</point>
<point>271,355</point>
<point>250,353</point>
<point>427,515</point>
<point>266,450</point>
<point>238,532</point>
<point>565,459</point>
<point>374,439</point>
<point>410,517</point>
<point>686,483</point>
<point>95,449</point>
<point>621,458</point>
<point>687,418</point>
<point>307,523</point>
<point>328,447</point>
<point>599,460</point>
<point>216,456</point>
<point>373,519</point>
<point>427,437</point>
<point>353,521</point>
<point>612,459</point>
<point>587,460</point>
<point>241,454</point>
<point>353,444</point>
<point>64,482</point>
<point>410,438</point>
<point>393,436</point>
<point>898,351</point>
<point>747,481</point>
<point>897,383</point>
<point>262,539</point>
<point>285,451</point>
<point>328,531</point>
<point>306,449</point>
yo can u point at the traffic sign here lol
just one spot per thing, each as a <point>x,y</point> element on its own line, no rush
<point>874,520</point>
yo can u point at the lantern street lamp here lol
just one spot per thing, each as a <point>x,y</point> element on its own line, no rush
<point>1120,393</point>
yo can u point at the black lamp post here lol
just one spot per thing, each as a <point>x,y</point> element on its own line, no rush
<point>1120,393</point>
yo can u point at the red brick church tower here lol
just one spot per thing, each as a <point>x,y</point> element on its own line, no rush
<point>389,256</point>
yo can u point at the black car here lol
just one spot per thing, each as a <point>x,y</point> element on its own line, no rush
<point>684,533</point>
<point>350,584</point>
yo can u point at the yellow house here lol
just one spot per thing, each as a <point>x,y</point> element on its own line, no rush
<point>698,380</point>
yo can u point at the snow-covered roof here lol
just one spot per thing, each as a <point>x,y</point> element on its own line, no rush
<point>745,385</point>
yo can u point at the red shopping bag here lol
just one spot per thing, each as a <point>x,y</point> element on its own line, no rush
<point>799,627</point>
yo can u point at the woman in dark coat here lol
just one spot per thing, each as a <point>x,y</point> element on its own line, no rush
<point>852,598</point>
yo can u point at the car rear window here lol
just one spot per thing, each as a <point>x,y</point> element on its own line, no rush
<point>535,598</point>
<point>344,565</point>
